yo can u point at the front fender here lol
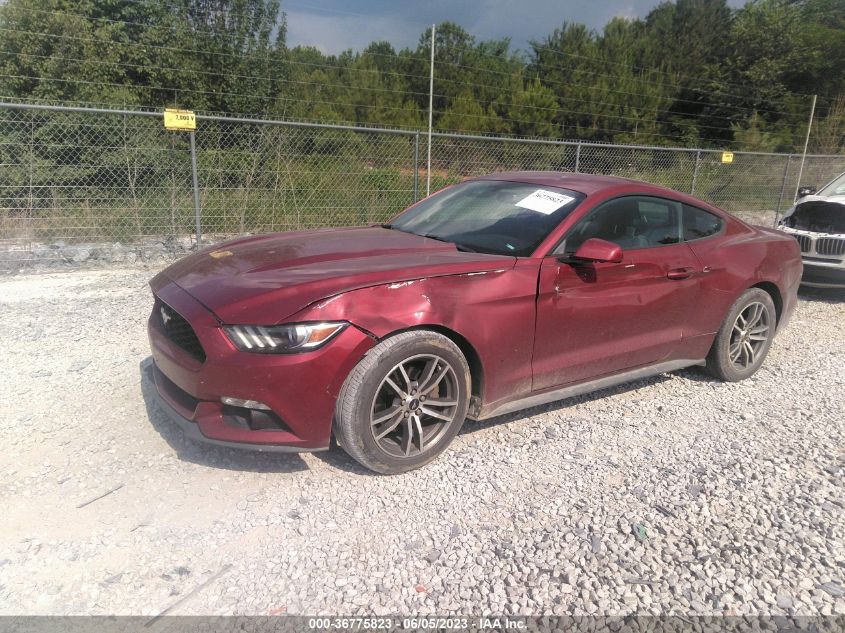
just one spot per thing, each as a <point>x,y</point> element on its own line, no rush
<point>494,311</point>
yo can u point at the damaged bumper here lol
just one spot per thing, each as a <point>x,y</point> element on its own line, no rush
<point>818,225</point>
<point>822,275</point>
<point>198,373</point>
<point>823,255</point>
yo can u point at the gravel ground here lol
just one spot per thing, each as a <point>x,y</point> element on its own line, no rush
<point>676,494</point>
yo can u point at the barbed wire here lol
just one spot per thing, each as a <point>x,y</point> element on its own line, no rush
<point>209,92</point>
<point>404,93</point>
<point>676,137</point>
<point>353,125</point>
<point>408,57</point>
<point>408,95</point>
<point>546,81</point>
<point>600,114</point>
<point>404,109</point>
<point>653,70</point>
<point>271,79</point>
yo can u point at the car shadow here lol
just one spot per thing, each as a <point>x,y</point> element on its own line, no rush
<point>336,457</point>
<point>209,454</point>
<point>822,295</point>
<point>471,426</point>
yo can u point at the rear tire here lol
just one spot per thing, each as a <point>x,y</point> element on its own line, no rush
<point>404,402</point>
<point>744,340</point>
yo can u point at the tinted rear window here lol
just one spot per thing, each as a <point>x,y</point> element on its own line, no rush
<point>699,223</point>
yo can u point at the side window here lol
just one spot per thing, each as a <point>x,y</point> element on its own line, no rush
<point>632,222</point>
<point>699,223</point>
<point>661,220</point>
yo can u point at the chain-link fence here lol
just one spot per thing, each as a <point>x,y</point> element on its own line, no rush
<point>82,184</point>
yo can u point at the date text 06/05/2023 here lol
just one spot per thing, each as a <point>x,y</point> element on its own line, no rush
<point>417,623</point>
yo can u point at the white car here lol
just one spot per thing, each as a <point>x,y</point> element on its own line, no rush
<point>817,221</point>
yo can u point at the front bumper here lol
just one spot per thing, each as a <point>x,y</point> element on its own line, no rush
<point>823,257</point>
<point>192,431</point>
<point>823,274</point>
<point>300,389</point>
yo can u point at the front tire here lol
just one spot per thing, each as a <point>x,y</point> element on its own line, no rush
<point>404,402</point>
<point>745,337</point>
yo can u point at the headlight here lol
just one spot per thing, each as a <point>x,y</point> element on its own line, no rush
<point>281,339</point>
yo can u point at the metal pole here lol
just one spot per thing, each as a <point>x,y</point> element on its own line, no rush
<point>695,172</point>
<point>430,112</point>
<point>196,190</point>
<point>782,188</point>
<point>577,158</point>
<point>416,166</point>
<point>31,210</point>
<point>806,143</point>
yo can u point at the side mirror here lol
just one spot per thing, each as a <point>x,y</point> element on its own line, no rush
<point>806,191</point>
<point>596,250</point>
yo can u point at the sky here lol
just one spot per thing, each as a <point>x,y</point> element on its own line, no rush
<point>336,25</point>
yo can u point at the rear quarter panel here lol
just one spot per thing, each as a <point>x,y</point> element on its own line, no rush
<point>743,257</point>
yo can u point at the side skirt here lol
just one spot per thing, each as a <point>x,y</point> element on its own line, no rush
<point>571,391</point>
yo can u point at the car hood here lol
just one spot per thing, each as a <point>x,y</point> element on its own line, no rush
<point>817,214</point>
<point>265,279</point>
<point>836,200</point>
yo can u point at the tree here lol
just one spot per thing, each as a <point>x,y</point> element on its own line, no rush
<point>691,72</point>
<point>828,134</point>
<point>533,111</point>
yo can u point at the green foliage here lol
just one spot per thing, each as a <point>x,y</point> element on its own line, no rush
<point>691,72</point>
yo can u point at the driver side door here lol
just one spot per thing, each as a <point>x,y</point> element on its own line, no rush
<point>596,319</point>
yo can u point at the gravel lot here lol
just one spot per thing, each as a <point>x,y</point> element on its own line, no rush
<point>675,494</point>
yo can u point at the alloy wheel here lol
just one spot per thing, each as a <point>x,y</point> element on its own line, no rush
<point>414,405</point>
<point>751,330</point>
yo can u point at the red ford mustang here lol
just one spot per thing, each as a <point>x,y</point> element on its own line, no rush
<point>493,295</point>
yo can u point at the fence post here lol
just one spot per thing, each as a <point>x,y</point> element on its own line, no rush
<point>782,188</point>
<point>695,171</point>
<point>196,189</point>
<point>30,212</point>
<point>416,165</point>
<point>577,158</point>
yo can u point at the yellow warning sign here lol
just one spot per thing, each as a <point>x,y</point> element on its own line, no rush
<point>727,157</point>
<point>180,119</point>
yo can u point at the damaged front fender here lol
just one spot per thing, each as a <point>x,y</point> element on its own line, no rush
<point>481,307</point>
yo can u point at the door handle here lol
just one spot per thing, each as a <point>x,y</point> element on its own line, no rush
<point>679,273</point>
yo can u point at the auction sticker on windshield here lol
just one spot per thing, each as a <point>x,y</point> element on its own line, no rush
<point>544,201</point>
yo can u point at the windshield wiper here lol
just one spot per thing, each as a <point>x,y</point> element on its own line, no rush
<point>460,247</point>
<point>393,227</point>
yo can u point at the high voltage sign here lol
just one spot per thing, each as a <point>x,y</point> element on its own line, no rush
<point>184,120</point>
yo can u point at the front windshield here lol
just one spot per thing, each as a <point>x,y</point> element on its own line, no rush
<point>836,188</point>
<point>491,216</point>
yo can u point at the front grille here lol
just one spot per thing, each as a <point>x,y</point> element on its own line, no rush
<point>830,246</point>
<point>804,242</point>
<point>179,330</point>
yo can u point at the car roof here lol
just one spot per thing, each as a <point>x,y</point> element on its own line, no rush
<point>583,183</point>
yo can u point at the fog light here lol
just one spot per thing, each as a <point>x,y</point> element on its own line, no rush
<point>246,404</point>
